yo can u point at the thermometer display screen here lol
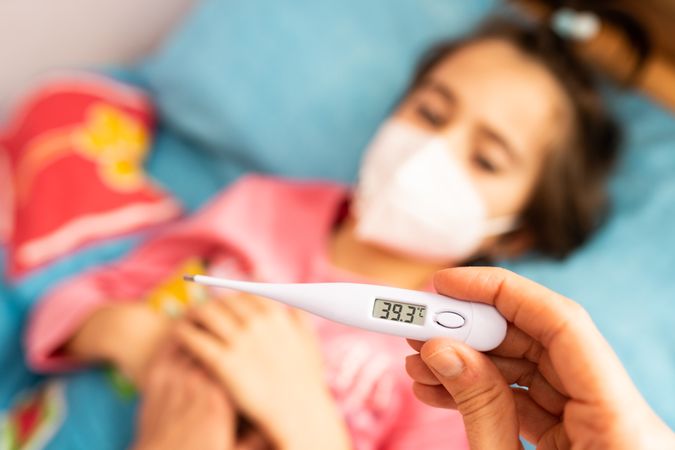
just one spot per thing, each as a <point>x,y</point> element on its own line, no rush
<point>398,311</point>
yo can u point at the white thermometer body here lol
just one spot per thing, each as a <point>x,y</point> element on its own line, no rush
<point>400,312</point>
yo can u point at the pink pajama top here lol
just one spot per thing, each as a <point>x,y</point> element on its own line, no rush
<point>267,229</point>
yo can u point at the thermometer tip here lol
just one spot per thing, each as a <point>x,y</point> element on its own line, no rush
<point>189,278</point>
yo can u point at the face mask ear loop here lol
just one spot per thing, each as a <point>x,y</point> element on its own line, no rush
<point>501,225</point>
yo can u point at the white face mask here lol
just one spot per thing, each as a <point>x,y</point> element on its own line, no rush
<point>414,198</point>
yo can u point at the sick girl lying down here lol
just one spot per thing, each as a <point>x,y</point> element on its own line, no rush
<point>501,146</point>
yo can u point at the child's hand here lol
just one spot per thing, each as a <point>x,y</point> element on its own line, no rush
<point>182,407</point>
<point>267,357</point>
<point>126,335</point>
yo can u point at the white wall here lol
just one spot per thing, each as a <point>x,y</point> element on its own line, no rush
<point>36,35</point>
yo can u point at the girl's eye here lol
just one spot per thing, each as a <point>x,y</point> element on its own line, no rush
<point>485,165</point>
<point>430,116</point>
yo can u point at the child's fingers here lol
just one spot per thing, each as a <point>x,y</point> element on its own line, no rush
<point>197,385</point>
<point>261,304</point>
<point>162,391</point>
<point>221,322</point>
<point>213,398</point>
<point>202,346</point>
<point>178,391</point>
<point>160,369</point>
<point>300,316</point>
<point>244,307</point>
<point>155,375</point>
<point>303,320</point>
<point>252,440</point>
<point>152,397</point>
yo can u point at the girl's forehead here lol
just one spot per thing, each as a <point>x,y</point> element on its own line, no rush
<point>497,83</point>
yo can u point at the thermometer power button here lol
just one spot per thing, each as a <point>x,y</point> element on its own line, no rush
<point>449,319</point>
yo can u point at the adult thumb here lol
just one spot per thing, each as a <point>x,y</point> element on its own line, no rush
<point>480,392</point>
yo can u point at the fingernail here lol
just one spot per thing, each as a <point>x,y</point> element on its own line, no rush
<point>446,362</point>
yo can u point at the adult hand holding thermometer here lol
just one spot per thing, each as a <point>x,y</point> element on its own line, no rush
<point>400,312</point>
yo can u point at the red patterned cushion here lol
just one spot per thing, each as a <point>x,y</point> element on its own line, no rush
<point>74,148</point>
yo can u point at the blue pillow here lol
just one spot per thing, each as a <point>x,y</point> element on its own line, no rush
<point>295,87</point>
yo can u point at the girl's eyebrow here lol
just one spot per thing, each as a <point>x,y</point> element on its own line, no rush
<point>442,90</point>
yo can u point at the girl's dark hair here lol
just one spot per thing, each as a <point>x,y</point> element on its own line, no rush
<point>570,198</point>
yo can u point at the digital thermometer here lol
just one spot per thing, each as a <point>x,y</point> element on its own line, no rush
<point>400,312</point>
